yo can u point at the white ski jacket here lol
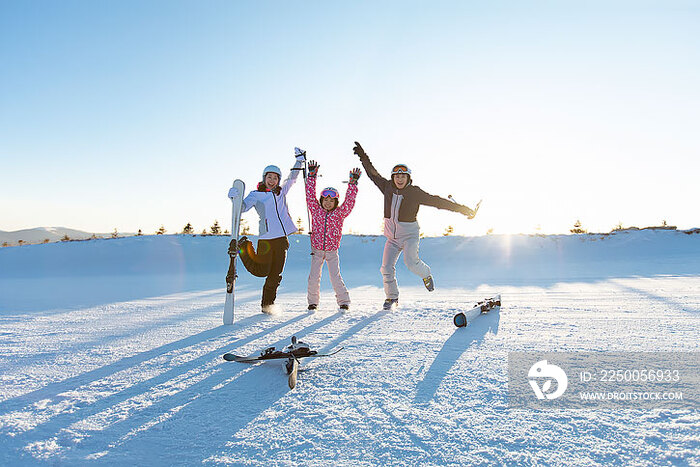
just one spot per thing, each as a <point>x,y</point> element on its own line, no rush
<point>275,221</point>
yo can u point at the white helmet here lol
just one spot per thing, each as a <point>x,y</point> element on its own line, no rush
<point>274,169</point>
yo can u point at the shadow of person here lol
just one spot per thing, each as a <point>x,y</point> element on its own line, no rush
<point>454,347</point>
<point>243,392</point>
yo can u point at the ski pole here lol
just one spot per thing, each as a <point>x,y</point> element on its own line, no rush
<point>308,216</point>
<point>298,151</point>
<point>476,208</point>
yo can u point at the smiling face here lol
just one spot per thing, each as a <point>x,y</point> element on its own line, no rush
<point>328,203</point>
<point>271,180</point>
<point>400,180</point>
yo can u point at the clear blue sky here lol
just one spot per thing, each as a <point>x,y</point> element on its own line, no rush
<point>133,114</point>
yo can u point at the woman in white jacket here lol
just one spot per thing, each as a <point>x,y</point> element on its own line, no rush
<point>270,201</point>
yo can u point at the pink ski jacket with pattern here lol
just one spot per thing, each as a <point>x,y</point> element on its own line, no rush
<point>327,226</point>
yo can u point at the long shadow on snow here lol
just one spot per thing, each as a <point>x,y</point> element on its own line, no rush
<point>54,389</point>
<point>241,392</point>
<point>105,340</point>
<point>675,305</point>
<point>454,347</point>
<point>65,419</point>
<point>357,327</point>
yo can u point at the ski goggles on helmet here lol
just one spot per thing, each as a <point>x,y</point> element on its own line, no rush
<point>330,192</point>
<point>400,169</point>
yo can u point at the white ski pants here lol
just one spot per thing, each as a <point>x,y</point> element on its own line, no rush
<point>333,261</point>
<point>392,249</point>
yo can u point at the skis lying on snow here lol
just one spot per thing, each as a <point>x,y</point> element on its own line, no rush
<point>292,353</point>
<point>463,318</point>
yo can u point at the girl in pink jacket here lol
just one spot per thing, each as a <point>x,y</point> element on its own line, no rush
<point>326,231</point>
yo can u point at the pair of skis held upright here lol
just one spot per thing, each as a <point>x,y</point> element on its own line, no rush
<point>236,209</point>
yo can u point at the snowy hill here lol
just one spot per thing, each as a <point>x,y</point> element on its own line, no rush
<point>41,234</point>
<point>111,353</point>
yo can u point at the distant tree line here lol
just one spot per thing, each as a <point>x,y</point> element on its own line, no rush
<point>215,229</point>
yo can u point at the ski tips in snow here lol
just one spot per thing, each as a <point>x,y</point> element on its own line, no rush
<point>292,370</point>
<point>463,318</point>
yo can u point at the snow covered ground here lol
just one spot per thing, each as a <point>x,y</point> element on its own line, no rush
<point>110,354</point>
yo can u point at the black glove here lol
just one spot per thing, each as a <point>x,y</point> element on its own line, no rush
<point>233,247</point>
<point>359,151</point>
<point>313,168</point>
<point>354,176</point>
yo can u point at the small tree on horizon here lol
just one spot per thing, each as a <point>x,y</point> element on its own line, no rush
<point>139,233</point>
<point>115,234</point>
<point>300,228</point>
<point>65,238</point>
<point>188,229</point>
<point>448,231</point>
<point>161,231</point>
<point>245,228</point>
<point>215,229</point>
<point>577,228</point>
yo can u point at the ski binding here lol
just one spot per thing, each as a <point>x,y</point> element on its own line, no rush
<point>461,319</point>
<point>292,353</point>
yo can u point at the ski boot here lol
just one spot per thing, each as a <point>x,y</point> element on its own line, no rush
<point>298,348</point>
<point>429,284</point>
<point>391,303</point>
<point>312,307</point>
<point>344,307</point>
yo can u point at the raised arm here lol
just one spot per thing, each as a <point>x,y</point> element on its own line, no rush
<point>441,203</point>
<point>293,174</point>
<point>381,182</point>
<point>350,194</point>
<point>311,200</point>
